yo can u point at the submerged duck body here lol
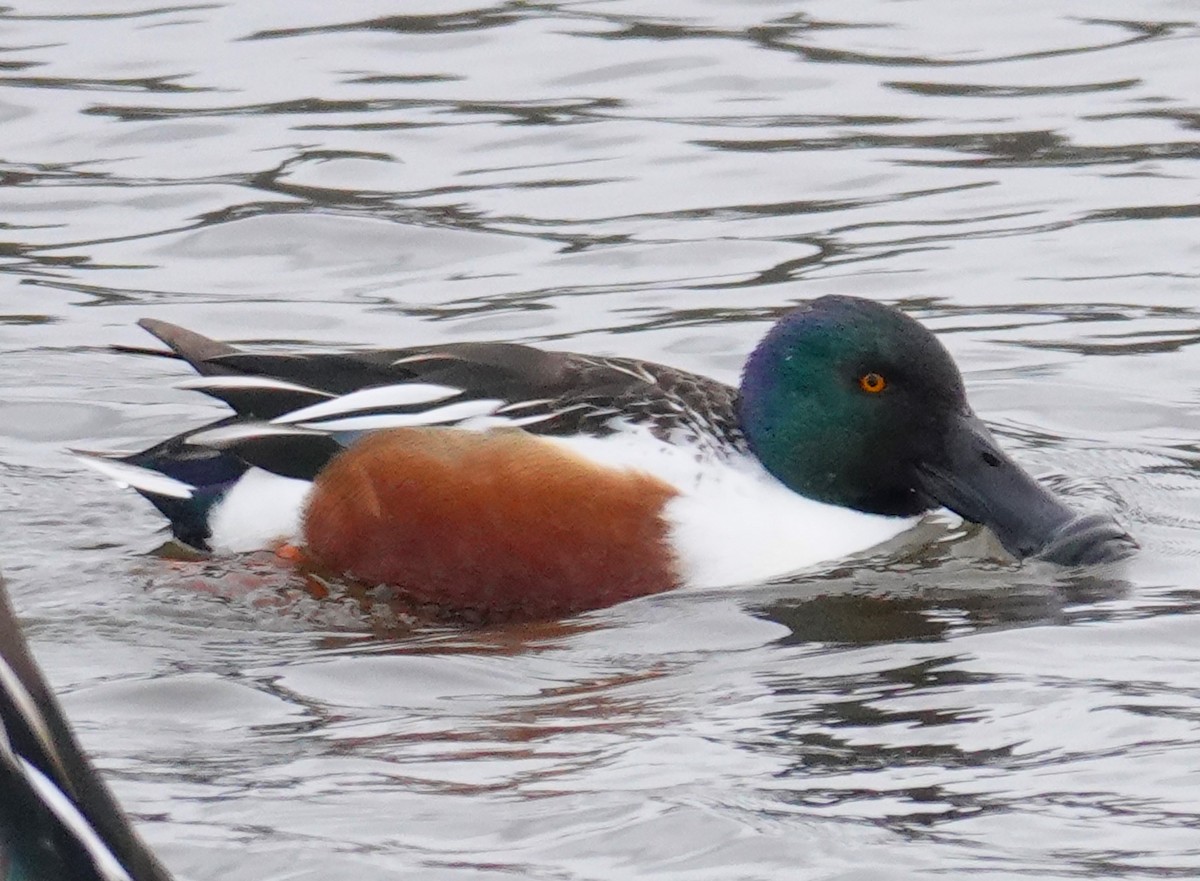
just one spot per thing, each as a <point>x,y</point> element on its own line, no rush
<point>503,477</point>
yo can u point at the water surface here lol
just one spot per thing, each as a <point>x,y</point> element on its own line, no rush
<point>650,179</point>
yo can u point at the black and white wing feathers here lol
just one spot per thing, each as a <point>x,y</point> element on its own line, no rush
<point>297,410</point>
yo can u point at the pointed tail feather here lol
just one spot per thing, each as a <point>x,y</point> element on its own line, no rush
<point>196,349</point>
<point>183,481</point>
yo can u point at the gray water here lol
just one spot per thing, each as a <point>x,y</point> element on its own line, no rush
<point>657,179</point>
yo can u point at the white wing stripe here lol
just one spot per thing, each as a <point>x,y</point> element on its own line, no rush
<point>239,431</point>
<point>153,482</point>
<point>440,415</point>
<point>219,383</point>
<point>405,394</point>
<point>422,357</point>
<point>486,423</point>
<point>523,405</point>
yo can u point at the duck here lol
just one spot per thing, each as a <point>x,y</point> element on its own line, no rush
<point>58,819</point>
<point>516,481</point>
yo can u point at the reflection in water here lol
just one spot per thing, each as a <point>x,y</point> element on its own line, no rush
<point>934,599</point>
<point>659,183</point>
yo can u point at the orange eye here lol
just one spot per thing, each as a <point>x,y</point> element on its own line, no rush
<point>873,383</point>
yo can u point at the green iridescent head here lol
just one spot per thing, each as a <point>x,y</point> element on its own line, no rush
<point>844,397</point>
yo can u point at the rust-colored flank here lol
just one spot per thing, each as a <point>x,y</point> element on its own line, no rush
<point>501,524</point>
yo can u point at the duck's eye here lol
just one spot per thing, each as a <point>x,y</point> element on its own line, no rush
<point>873,383</point>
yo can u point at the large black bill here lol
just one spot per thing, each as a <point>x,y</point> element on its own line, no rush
<point>977,481</point>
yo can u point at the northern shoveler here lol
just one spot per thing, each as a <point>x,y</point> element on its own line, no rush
<point>501,477</point>
<point>57,818</point>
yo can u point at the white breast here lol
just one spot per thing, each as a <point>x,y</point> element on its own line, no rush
<point>732,522</point>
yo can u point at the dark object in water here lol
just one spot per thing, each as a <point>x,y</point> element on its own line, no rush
<point>58,819</point>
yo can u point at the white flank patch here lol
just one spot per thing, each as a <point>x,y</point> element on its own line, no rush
<point>438,416</point>
<point>260,509</point>
<point>219,383</point>
<point>143,479</point>
<point>732,522</point>
<point>405,394</point>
